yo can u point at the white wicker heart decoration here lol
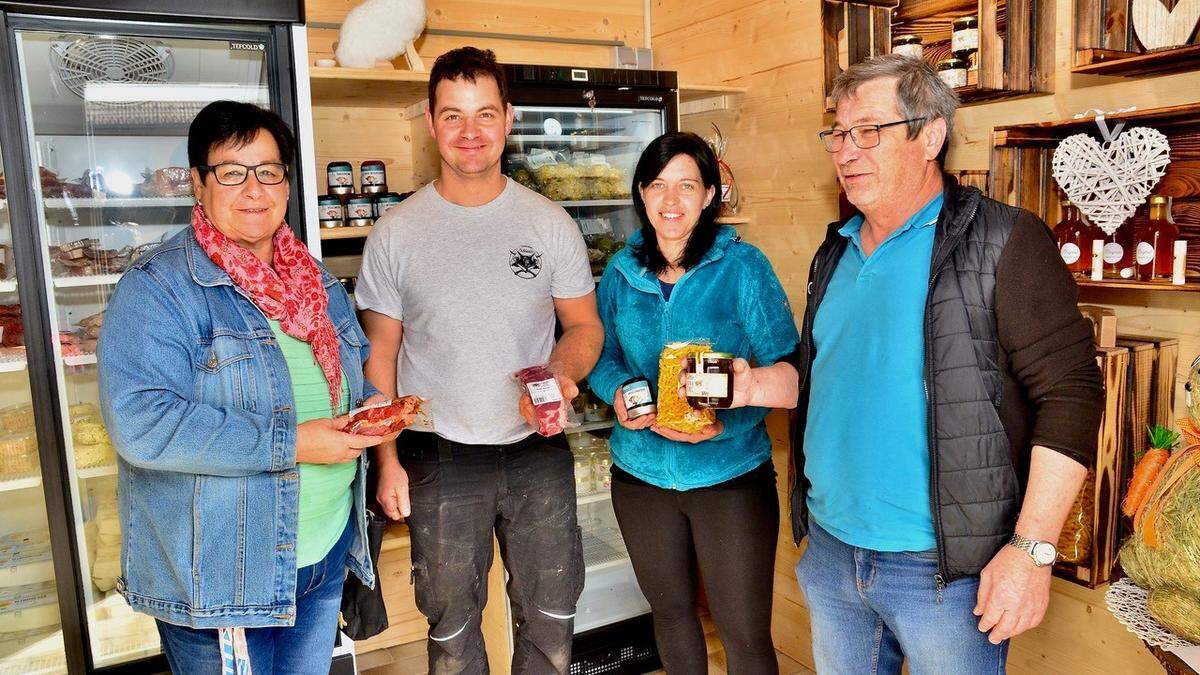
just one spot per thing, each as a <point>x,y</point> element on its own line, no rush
<point>1109,181</point>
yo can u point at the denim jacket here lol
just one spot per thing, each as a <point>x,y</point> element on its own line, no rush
<point>733,299</point>
<point>198,400</point>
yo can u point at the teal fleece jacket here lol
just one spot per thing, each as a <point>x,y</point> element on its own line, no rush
<point>731,299</point>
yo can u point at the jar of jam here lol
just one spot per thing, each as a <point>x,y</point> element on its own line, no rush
<point>340,177</point>
<point>330,211</point>
<point>373,174</point>
<point>965,34</point>
<point>710,381</point>
<point>638,398</point>
<point>1074,240</point>
<point>1154,245</point>
<point>386,202</point>
<point>908,45</point>
<point>360,206</point>
<point>953,72</point>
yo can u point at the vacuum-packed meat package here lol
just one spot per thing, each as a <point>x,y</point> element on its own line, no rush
<point>389,417</point>
<point>549,406</point>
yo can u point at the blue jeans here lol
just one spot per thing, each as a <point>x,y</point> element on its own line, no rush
<point>306,647</point>
<point>870,610</point>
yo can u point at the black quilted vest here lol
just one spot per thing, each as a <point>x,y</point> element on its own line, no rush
<point>974,486</point>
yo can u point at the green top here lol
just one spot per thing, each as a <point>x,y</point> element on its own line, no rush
<point>325,496</point>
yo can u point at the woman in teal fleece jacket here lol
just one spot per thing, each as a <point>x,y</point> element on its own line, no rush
<point>709,496</point>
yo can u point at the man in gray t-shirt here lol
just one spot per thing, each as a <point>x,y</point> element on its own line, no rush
<point>461,286</point>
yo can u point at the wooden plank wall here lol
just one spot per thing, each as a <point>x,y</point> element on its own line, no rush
<point>789,191</point>
<point>354,134</point>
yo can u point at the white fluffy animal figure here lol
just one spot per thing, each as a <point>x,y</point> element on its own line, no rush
<point>381,30</point>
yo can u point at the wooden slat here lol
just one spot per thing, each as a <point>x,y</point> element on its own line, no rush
<point>1110,62</point>
<point>616,20</point>
<point>915,10</point>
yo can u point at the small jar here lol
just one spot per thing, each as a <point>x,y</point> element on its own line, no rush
<point>638,398</point>
<point>908,45</point>
<point>372,173</point>
<point>710,381</point>
<point>585,481</point>
<point>953,72</point>
<point>386,202</point>
<point>330,211</point>
<point>965,35</point>
<point>360,206</point>
<point>340,176</point>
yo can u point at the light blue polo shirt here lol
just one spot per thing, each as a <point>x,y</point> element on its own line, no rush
<point>866,444</point>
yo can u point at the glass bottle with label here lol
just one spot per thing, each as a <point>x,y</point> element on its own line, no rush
<point>1155,242</point>
<point>1074,240</point>
<point>1118,254</point>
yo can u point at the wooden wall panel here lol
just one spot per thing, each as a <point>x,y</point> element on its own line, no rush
<point>355,134</point>
<point>789,192</point>
<point>612,20</point>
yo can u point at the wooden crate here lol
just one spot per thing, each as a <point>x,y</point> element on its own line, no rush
<point>1110,477</point>
<point>1016,40</point>
<point>1105,43</point>
<point>1021,174</point>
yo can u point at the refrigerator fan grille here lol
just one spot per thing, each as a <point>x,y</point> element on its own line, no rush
<point>95,59</point>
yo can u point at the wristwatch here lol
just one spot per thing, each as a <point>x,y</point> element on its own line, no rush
<point>1043,552</point>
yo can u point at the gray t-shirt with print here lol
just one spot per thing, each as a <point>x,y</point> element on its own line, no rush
<point>474,288</point>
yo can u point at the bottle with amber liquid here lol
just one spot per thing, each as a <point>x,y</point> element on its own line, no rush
<point>1075,240</point>
<point>1155,242</point>
<point>1118,254</point>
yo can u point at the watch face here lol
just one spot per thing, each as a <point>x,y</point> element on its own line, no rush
<point>1044,553</point>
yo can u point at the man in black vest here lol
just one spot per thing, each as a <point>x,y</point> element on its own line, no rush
<point>949,398</point>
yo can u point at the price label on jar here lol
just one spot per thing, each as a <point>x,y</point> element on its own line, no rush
<point>1070,253</point>
<point>1144,253</point>
<point>546,391</point>
<point>707,385</point>
<point>1113,252</point>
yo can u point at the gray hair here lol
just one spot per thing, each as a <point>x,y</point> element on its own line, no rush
<point>919,90</point>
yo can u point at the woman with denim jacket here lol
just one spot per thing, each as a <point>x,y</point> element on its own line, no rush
<point>709,497</point>
<point>227,360</point>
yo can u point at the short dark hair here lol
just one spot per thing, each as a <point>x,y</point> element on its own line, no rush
<point>657,155</point>
<point>466,63</point>
<point>222,122</point>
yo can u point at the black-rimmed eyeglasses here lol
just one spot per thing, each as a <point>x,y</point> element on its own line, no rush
<point>864,135</point>
<point>231,173</point>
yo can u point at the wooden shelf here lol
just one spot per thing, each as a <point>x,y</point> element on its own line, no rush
<point>1118,284</point>
<point>1049,134</point>
<point>696,92</point>
<point>345,232</point>
<point>368,87</point>
<point>1114,62</point>
<point>733,220</point>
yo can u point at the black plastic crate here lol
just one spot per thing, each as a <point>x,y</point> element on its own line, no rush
<point>624,648</point>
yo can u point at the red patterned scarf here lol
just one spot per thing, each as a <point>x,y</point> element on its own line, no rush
<point>291,293</point>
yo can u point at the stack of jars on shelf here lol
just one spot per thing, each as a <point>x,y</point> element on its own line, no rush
<point>1146,249</point>
<point>593,463</point>
<point>344,207</point>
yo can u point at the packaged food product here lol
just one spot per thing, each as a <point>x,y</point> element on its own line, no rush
<point>710,380</point>
<point>389,417</point>
<point>29,606</point>
<point>18,456</point>
<point>638,397</point>
<point>373,174</point>
<point>25,558</point>
<point>330,210</point>
<point>386,202</point>
<point>548,403</point>
<point>602,469</point>
<point>339,175</point>
<point>17,418</point>
<point>673,409</point>
<point>88,455</point>
<point>360,206</point>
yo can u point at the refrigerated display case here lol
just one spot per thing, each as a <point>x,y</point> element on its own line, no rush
<point>95,137</point>
<point>577,136</point>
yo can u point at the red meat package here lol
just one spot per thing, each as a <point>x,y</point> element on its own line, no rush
<point>389,417</point>
<point>549,406</point>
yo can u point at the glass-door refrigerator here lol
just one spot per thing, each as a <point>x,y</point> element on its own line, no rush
<point>576,138</point>
<point>96,113</point>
